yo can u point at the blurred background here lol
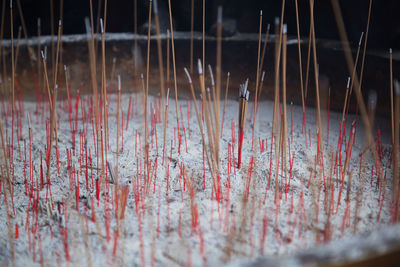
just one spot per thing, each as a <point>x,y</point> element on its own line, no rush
<point>242,16</point>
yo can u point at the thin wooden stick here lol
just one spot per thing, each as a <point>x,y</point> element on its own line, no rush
<point>52,126</point>
<point>226,97</point>
<point>391,91</point>
<point>395,196</point>
<point>354,71</point>
<point>211,166</point>
<point>21,15</point>
<point>204,36</point>
<point>191,35</point>
<point>218,85</point>
<point>17,50</point>
<point>118,128</point>
<point>104,89</point>
<point>12,61</point>
<point>160,57</point>
<point>316,74</point>
<point>165,124</point>
<point>300,63</point>
<point>168,64</point>
<point>52,32</point>
<point>39,69</point>
<point>350,63</point>
<point>3,10</point>
<point>365,45</point>
<point>135,42</point>
<point>284,49</point>
<point>147,74</point>
<point>257,80</point>
<point>173,63</point>
<point>265,47</point>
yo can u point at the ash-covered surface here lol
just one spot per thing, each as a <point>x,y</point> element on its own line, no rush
<point>163,229</point>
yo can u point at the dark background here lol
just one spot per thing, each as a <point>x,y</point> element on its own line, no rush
<point>384,29</point>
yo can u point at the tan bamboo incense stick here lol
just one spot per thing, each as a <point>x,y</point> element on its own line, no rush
<point>168,64</point>
<point>191,35</point>
<point>275,116</point>
<point>52,126</point>
<point>300,63</point>
<point>55,70</point>
<point>30,50</point>
<point>113,71</point>
<point>165,124</point>
<point>204,36</point>
<point>67,82</point>
<point>96,43</point>
<point>135,43</point>
<point>261,87</point>
<point>258,67</point>
<point>160,57</point>
<point>17,49</point>
<point>52,32</point>
<point>372,101</point>
<point>365,45</point>
<point>12,59</point>
<point>243,100</point>
<point>173,64</point>
<point>104,91</point>
<point>147,74</point>
<point>218,84</point>
<point>391,90</point>
<point>348,152</point>
<point>61,10</point>
<point>46,77</point>
<point>284,49</point>
<point>350,63</point>
<point>355,65</point>
<point>316,75</point>
<point>206,108</point>
<point>92,61</point>
<point>308,62</point>
<point>56,73</point>
<point>226,97</point>
<point>105,15</point>
<point>257,79</point>
<point>396,146</point>
<point>118,128</point>
<point>199,120</point>
<point>5,155</point>
<point>39,69</point>
<point>345,103</point>
<point>212,109</point>
<point>3,11</point>
<point>212,123</point>
<point>265,46</point>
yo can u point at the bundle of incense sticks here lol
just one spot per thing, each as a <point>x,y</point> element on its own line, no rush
<point>243,100</point>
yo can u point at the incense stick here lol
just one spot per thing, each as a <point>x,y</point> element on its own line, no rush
<point>316,74</point>
<point>173,64</point>
<point>284,121</point>
<point>218,84</point>
<point>243,99</point>
<point>257,80</point>
<point>165,124</point>
<point>118,127</point>
<point>350,63</point>
<point>160,58</point>
<point>226,96</point>
<point>191,35</point>
<point>300,64</point>
<point>391,91</point>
